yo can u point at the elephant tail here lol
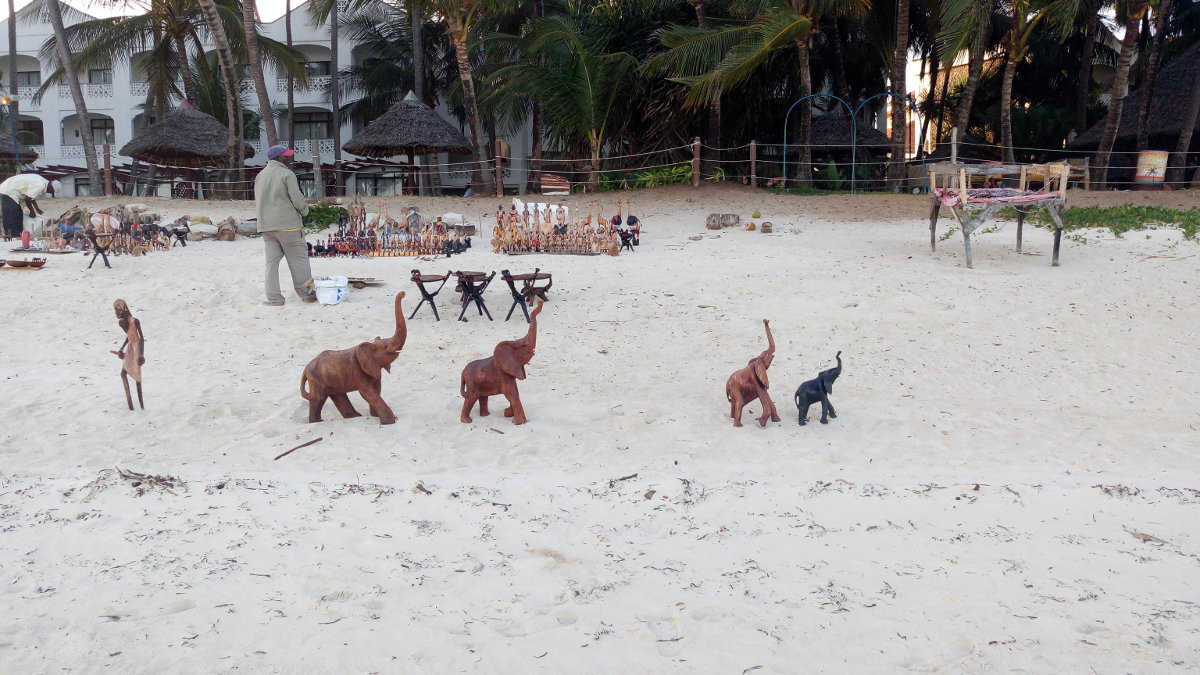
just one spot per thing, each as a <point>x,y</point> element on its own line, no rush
<point>462,384</point>
<point>728,396</point>
<point>304,392</point>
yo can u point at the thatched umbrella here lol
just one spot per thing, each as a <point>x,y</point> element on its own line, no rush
<point>186,137</point>
<point>410,127</point>
<point>833,130</point>
<point>26,156</point>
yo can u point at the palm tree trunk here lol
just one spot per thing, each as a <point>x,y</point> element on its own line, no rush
<point>1006,89</point>
<point>714,106</point>
<point>1119,91</point>
<point>185,68</point>
<point>535,123</point>
<point>481,180</point>
<point>936,59</point>
<point>416,22</point>
<point>291,81</point>
<point>804,179</point>
<point>14,105</point>
<point>594,174</point>
<point>85,121</point>
<point>216,31</point>
<point>899,86</point>
<point>941,116</point>
<point>250,27</point>
<point>1160,25</point>
<point>1177,165</point>
<point>1084,85</point>
<point>335,96</point>
<point>962,116</point>
<point>838,68</point>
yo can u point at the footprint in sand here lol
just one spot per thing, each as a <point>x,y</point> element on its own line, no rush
<point>665,628</point>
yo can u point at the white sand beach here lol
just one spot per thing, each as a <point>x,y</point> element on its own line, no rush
<point>1012,481</point>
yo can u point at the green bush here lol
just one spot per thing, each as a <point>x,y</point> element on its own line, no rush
<point>1119,219</point>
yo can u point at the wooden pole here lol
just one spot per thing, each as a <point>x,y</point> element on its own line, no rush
<point>954,145</point>
<point>696,162</point>
<point>107,170</point>
<point>499,171</point>
<point>318,181</point>
<point>753,163</point>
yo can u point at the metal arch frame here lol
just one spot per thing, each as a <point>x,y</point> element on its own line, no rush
<point>853,128</point>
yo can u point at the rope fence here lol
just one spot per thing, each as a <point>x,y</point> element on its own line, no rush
<point>761,164</point>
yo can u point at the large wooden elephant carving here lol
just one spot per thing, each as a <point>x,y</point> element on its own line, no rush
<point>751,383</point>
<point>498,374</point>
<point>333,374</point>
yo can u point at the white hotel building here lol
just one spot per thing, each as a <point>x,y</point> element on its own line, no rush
<point>114,96</point>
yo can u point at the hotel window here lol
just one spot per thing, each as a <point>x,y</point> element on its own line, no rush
<point>31,78</point>
<point>103,131</point>
<point>317,68</point>
<point>30,132</point>
<point>100,76</point>
<point>314,125</point>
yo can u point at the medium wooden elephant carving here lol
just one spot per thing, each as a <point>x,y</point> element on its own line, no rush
<point>499,373</point>
<point>751,383</point>
<point>333,374</point>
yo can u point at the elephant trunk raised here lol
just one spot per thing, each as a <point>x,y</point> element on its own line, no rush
<point>396,343</point>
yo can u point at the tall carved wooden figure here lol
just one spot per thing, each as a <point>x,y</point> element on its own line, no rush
<point>498,374</point>
<point>751,383</point>
<point>132,352</point>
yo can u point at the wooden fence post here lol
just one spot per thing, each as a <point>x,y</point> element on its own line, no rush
<point>696,162</point>
<point>753,163</point>
<point>318,180</point>
<point>107,170</point>
<point>499,171</point>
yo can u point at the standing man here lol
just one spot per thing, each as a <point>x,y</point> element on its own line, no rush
<point>22,190</point>
<point>281,207</point>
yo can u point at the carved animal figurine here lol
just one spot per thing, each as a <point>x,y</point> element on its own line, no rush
<point>818,391</point>
<point>333,374</point>
<point>134,357</point>
<point>750,383</point>
<point>498,374</point>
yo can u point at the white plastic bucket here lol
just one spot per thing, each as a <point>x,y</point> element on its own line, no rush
<point>331,290</point>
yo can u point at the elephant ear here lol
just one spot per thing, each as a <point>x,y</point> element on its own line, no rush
<point>508,361</point>
<point>760,371</point>
<point>826,382</point>
<point>367,357</point>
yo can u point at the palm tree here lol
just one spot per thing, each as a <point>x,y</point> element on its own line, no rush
<point>250,29</point>
<point>460,17</point>
<point>1161,12</point>
<point>965,27</point>
<point>334,94</point>
<point>291,82</point>
<point>85,120</point>
<point>577,81</point>
<point>220,41</point>
<point>12,60</point>
<point>1177,167</point>
<point>899,79</point>
<point>1134,10</point>
<point>710,61</point>
<point>1091,10</point>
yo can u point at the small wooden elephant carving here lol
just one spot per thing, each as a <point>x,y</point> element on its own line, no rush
<point>751,383</point>
<point>333,374</point>
<point>498,374</point>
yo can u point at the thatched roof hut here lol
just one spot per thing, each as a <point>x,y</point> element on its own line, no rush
<point>186,137</point>
<point>409,128</point>
<point>833,130</point>
<point>27,155</point>
<point>970,148</point>
<point>1172,94</point>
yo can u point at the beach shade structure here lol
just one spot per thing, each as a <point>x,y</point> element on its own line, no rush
<point>184,138</point>
<point>1171,96</point>
<point>26,156</point>
<point>833,130</point>
<point>410,127</point>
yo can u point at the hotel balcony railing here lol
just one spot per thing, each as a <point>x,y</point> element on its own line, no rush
<point>90,90</point>
<point>25,96</point>
<point>305,147</point>
<point>39,149</point>
<point>139,89</point>
<point>315,83</point>
<point>76,152</point>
